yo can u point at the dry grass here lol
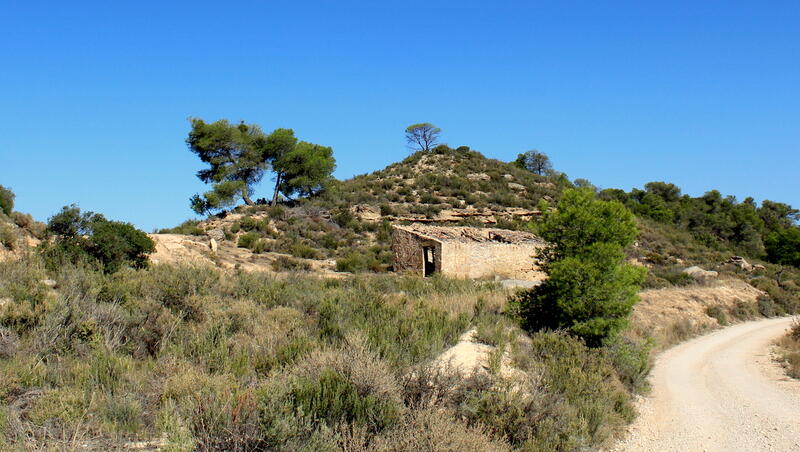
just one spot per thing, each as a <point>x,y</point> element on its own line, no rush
<point>672,315</point>
<point>789,350</point>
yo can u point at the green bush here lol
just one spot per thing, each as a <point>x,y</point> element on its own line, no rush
<point>249,223</point>
<point>744,311</point>
<point>766,306</point>
<point>783,246</point>
<point>248,239</point>
<point>8,237</point>
<point>590,296</point>
<point>117,244</point>
<point>6,200</point>
<point>632,361</point>
<point>718,313</point>
<point>332,398</point>
<point>284,263</point>
<point>188,227</point>
<point>89,237</point>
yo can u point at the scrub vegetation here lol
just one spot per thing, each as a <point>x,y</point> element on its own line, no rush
<point>197,359</point>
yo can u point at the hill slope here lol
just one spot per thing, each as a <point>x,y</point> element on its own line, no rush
<point>347,227</point>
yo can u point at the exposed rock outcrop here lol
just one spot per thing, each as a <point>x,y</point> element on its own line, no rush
<point>699,273</point>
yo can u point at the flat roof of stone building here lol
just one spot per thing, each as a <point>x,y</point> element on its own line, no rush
<point>470,235</point>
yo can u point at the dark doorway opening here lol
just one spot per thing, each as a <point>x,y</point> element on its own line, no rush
<point>429,258</point>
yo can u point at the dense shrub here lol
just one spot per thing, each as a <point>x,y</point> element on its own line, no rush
<point>188,227</point>
<point>783,246</point>
<point>6,200</point>
<point>116,244</point>
<point>789,351</point>
<point>283,263</point>
<point>248,240</point>
<point>717,313</point>
<point>8,237</point>
<point>90,238</point>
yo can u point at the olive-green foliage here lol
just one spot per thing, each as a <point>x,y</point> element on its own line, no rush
<point>89,237</point>
<point>783,246</point>
<point>240,361</point>
<point>373,259</point>
<point>8,236</point>
<point>718,313</point>
<point>188,227</point>
<point>6,200</point>
<point>422,136</point>
<point>248,240</point>
<point>451,185</point>
<point>115,244</point>
<point>590,295</point>
<point>535,162</point>
<point>305,170</point>
<point>582,220</point>
<point>332,398</point>
<point>235,157</point>
<point>178,345</point>
<point>632,361</point>
<point>789,351</point>
<point>716,221</point>
<point>284,263</point>
<point>590,290</point>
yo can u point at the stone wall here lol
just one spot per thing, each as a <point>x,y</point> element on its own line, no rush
<point>407,248</point>
<point>482,260</point>
<point>467,259</point>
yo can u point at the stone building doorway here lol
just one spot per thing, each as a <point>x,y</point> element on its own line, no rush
<point>429,259</point>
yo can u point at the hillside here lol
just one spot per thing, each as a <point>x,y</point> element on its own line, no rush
<point>346,228</point>
<point>445,185</point>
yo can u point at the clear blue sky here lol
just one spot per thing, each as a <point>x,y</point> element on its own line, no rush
<point>95,96</point>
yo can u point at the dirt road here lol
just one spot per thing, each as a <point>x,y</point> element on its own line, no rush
<point>720,392</point>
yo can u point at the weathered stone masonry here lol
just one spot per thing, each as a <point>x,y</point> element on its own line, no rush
<point>463,252</point>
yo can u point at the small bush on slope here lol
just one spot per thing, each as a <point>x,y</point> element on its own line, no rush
<point>789,351</point>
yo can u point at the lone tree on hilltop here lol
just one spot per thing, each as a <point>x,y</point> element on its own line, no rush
<point>591,290</point>
<point>535,162</point>
<point>423,136</point>
<point>235,155</point>
<point>239,155</point>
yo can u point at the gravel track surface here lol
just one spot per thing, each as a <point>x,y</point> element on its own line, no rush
<point>720,392</point>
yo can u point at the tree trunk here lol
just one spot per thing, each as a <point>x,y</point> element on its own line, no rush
<point>275,194</point>
<point>246,197</point>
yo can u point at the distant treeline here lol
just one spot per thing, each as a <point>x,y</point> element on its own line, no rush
<point>768,231</point>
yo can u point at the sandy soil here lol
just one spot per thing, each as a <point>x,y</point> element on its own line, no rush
<point>720,392</point>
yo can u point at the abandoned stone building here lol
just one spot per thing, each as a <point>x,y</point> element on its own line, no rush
<point>464,252</point>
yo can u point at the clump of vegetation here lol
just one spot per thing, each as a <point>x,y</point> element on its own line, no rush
<point>789,351</point>
<point>717,313</point>
<point>284,263</point>
<point>188,227</point>
<point>6,200</point>
<point>91,239</point>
